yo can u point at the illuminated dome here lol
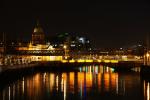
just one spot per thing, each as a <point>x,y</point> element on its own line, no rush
<point>38,28</point>
<point>38,36</point>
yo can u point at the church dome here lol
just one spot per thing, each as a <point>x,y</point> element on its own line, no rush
<point>38,28</point>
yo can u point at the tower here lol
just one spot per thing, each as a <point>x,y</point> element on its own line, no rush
<point>38,36</point>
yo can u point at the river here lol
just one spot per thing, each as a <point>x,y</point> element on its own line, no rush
<point>89,82</point>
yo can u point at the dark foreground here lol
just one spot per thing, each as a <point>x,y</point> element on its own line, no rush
<point>86,82</point>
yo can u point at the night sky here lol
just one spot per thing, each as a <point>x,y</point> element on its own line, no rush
<point>107,24</point>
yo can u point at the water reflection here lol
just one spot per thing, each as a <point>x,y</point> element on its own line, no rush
<point>90,82</point>
<point>146,89</point>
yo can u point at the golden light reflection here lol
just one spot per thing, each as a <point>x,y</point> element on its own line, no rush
<point>89,80</point>
<point>81,80</point>
<point>114,82</point>
<point>35,83</point>
<point>36,79</point>
<point>44,77</point>
<point>148,92</point>
<point>51,81</point>
<point>101,69</point>
<point>71,81</point>
<point>64,78</point>
<point>117,86</point>
<point>62,84</point>
<point>99,80</point>
<point>23,85</point>
<point>106,81</point>
<point>57,82</point>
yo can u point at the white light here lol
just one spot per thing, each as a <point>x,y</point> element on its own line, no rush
<point>73,45</point>
<point>48,43</point>
<point>88,41</point>
<point>65,46</point>
<point>82,40</point>
<point>9,93</point>
<point>139,45</point>
<point>147,54</point>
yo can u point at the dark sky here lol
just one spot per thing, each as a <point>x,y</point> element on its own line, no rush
<point>107,24</point>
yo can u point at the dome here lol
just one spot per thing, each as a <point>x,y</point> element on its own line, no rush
<point>38,30</point>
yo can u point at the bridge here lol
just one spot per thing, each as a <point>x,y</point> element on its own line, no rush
<point>57,57</point>
<point>82,56</point>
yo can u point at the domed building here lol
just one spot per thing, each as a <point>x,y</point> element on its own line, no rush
<point>38,36</point>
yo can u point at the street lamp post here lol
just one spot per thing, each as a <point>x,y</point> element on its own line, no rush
<point>147,58</point>
<point>65,48</point>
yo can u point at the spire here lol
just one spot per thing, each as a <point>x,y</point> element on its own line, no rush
<point>37,23</point>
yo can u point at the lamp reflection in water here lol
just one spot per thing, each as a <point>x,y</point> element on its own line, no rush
<point>64,85</point>
<point>146,90</point>
<point>67,82</point>
<point>23,85</point>
<point>65,89</point>
<point>51,82</point>
<point>9,93</point>
<point>64,80</point>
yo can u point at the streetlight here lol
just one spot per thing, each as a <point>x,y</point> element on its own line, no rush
<point>65,47</point>
<point>147,58</point>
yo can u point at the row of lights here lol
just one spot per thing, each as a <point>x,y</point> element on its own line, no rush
<point>89,61</point>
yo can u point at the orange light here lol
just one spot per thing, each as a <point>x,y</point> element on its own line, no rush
<point>106,61</point>
<point>88,60</point>
<point>80,60</point>
<point>99,60</point>
<point>71,61</point>
<point>114,61</point>
<point>147,55</point>
<point>64,61</point>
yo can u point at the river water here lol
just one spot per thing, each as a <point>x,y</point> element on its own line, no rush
<point>90,82</point>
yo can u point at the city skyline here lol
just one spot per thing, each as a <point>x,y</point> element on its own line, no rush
<point>106,24</point>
